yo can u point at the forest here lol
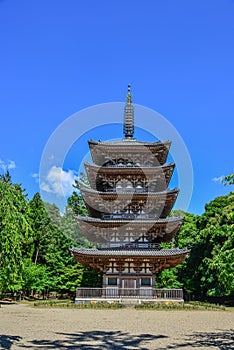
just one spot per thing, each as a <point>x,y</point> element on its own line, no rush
<point>36,238</point>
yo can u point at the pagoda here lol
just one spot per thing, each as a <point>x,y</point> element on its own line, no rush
<point>129,205</point>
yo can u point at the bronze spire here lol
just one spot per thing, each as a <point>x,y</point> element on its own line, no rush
<point>128,127</point>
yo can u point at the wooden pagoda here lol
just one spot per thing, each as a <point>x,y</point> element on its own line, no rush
<point>129,205</point>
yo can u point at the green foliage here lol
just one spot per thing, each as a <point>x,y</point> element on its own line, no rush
<point>69,226</point>
<point>76,203</point>
<point>209,268</point>
<point>35,277</point>
<point>52,243</point>
<point>34,252</point>
<point>228,180</point>
<point>176,306</point>
<point>54,213</point>
<point>168,279</point>
<point>52,249</point>
<point>64,304</point>
<point>217,235</point>
<point>15,233</point>
<point>82,181</point>
<point>91,278</point>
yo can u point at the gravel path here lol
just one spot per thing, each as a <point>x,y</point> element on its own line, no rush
<point>25,327</point>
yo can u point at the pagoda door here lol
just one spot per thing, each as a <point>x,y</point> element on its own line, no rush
<point>129,286</point>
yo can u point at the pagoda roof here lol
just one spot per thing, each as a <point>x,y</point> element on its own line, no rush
<point>158,204</point>
<point>129,143</point>
<point>138,221</point>
<point>112,195</point>
<point>117,169</point>
<point>97,230</point>
<point>158,177</point>
<point>129,252</point>
<point>157,260</point>
<point>102,152</point>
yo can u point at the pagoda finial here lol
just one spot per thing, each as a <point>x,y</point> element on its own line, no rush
<point>128,127</point>
<point>129,95</point>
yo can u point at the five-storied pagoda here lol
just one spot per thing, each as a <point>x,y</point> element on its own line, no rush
<point>129,205</point>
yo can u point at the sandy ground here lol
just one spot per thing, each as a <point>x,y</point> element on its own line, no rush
<point>25,327</point>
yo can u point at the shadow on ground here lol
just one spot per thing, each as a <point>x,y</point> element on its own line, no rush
<point>96,340</point>
<point>117,340</point>
<point>222,340</point>
<point>6,341</point>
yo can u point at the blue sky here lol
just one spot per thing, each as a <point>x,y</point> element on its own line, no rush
<point>59,57</point>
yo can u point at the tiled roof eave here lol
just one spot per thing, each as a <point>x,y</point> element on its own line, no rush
<point>133,143</point>
<point>134,221</point>
<point>130,252</point>
<point>143,169</point>
<point>137,194</point>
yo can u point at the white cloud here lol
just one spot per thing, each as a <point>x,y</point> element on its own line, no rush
<point>218,179</point>
<point>59,181</point>
<point>36,177</point>
<point>7,165</point>
<point>51,157</point>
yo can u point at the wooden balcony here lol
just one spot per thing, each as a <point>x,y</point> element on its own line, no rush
<point>131,293</point>
<point>130,245</point>
<point>130,216</point>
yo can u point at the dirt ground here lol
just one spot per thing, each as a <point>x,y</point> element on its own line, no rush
<point>25,327</point>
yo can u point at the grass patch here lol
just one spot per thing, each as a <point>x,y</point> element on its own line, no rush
<point>68,304</point>
<point>204,305</point>
<point>72,305</point>
<point>51,303</point>
<point>187,306</point>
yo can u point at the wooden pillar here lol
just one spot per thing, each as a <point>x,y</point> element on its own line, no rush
<point>153,280</point>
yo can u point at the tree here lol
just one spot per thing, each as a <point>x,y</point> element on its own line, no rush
<point>69,226</point>
<point>228,180</point>
<point>54,213</point>
<point>185,274</point>
<point>16,234</point>
<point>76,207</point>
<point>76,203</point>
<point>82,181</point>
<point>209,268</point>
<point>216,237</point>
<point>168,279</point>
<point>35,277</point>
<point>51,248</point>
<point>41,225</point>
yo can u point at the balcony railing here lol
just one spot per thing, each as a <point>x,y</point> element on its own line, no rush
<point>142,293</point>
<point>130,189</point>
<point>124,216</point>
<point>130,245</point>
